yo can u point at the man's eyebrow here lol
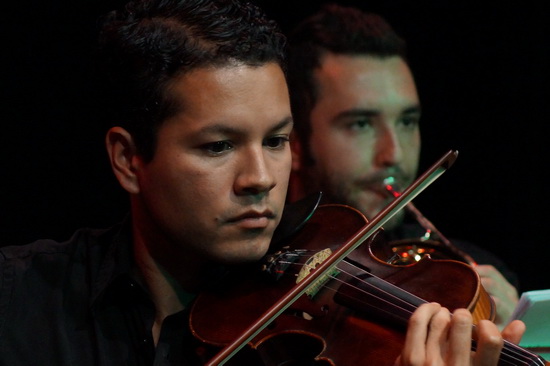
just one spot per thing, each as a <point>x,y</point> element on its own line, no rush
<point>283,123</point>
<point>412,109</point>
<point>357,113</point>
<point>228,129</point>
<point>371,112</point>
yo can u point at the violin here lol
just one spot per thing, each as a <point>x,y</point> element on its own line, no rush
<point>323,297</point>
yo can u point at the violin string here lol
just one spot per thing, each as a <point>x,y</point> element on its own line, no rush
<point>389,294</point>
<point>404,314</point>
<point>404,303</point>
<point>397,288</point>
<point>511,350</point>
<point>515,352</point>
<point>382,310</point>
<point>370,294</point>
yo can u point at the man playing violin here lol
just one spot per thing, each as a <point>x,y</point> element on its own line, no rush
<point>357,111</point>
<point>201,121</point>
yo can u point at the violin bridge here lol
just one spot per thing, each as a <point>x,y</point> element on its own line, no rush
<point>277,264</point>
<point>310,265</point>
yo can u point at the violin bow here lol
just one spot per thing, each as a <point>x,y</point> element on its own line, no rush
<point>421,183</point>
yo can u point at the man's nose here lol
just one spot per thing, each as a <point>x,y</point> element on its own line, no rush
<point>255,174</point>
<point>388,148</point>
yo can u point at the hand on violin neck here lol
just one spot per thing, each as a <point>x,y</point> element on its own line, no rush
<point>437,337</point>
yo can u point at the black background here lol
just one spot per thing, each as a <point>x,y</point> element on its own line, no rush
<point>482,74</point>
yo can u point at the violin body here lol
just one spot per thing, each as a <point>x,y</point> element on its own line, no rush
<point>349,318</point>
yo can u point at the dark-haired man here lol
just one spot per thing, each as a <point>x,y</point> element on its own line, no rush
<point>205,160</point>
<point>357,112</point>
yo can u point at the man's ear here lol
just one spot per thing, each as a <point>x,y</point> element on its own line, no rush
<point>296,149</point>
<point>123,157</point>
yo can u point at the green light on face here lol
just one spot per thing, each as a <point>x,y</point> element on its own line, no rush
<point>389,180</point>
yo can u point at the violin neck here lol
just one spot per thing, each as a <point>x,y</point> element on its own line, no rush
<point>515,355</point>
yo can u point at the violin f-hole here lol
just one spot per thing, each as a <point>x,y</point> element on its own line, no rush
<point>293,349</point>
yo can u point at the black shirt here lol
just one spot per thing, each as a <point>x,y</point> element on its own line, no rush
<point>77,303</point>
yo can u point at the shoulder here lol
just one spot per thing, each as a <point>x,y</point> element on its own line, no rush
<point>45,289</point>
<point>46,250</point>
<point>54,278</point>
<point>56,265</point>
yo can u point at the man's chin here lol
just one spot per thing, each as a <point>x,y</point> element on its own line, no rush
<point>253,252</point>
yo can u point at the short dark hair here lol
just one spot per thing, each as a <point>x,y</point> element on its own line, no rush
<point>150,42</point>
<point>339,30</point>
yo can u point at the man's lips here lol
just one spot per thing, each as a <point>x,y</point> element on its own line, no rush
<point>253,219</point>
<point>382,185</point>
<point>377,187</point>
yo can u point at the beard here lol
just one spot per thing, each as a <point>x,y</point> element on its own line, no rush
<point>366,195</point>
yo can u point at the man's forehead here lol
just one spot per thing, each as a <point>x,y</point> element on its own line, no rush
<point>339,66</point>
<point>231,100</point>
<point>365,77</point>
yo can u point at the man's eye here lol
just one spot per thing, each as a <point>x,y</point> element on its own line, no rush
<point>217,147</point>
<point>410,121</point>
<point>276,142</point>
<point>361,124</point>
